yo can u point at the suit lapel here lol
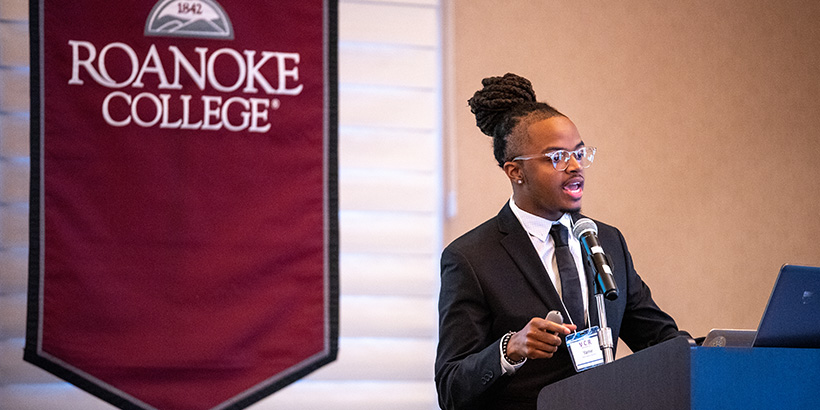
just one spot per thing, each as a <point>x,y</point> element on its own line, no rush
<point>519,246</point>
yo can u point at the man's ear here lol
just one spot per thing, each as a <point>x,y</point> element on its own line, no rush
<point>514,171</point>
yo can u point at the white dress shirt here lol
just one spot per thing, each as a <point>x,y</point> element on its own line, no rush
<point>538,229</point>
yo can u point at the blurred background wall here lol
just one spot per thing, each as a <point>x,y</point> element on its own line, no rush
<point>706,115</point>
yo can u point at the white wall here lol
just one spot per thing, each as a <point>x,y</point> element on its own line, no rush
<point>390,219</point>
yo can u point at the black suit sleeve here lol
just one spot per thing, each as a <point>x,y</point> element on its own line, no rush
<point>468,363</point>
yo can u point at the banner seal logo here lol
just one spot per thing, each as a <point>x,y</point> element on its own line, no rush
<point>189,18</point>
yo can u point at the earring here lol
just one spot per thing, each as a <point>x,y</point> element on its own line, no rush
<point>520,181</point>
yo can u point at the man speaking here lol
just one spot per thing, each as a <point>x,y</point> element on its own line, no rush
<point>497,349</point>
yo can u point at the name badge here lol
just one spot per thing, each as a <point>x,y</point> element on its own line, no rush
<point>585,349</point>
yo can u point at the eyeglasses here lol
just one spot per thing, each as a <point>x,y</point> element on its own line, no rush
<point>560,158</point>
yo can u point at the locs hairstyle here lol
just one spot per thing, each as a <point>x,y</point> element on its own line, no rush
<point>500,106</point>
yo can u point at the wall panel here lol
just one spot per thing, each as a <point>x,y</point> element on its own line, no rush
<point>704,113</point>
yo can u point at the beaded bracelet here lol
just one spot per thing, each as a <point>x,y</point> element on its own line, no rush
<point>504,342</point>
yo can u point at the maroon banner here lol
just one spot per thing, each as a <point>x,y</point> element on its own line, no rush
<point>184,239</point>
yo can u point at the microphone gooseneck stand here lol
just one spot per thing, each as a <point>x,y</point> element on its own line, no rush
<point>605,287</point>
<point>604,332</point>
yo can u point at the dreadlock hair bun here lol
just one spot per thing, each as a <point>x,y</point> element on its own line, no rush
<point>500,106</point>
<point>499,95</point>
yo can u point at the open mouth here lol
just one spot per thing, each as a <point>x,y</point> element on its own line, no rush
<point>575,188</point>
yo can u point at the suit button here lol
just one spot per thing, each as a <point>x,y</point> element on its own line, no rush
<point>487,377</point>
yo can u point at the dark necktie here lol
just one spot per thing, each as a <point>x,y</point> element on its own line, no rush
<point>570,284</point>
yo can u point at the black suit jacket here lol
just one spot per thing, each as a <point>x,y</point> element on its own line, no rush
<point>492,282</point>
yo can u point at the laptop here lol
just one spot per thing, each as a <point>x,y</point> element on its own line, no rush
<point>791,318</point>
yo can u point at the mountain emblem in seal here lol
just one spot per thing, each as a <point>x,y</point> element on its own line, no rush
<point>189,18</point>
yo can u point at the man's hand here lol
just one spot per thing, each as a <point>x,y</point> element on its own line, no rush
<point>539,339</point>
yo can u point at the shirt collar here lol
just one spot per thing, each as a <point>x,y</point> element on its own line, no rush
<point>537,226</point>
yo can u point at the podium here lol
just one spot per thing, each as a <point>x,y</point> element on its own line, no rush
<point>675,375</point>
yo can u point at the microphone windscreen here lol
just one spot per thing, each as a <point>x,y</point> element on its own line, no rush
<point>582,226</point>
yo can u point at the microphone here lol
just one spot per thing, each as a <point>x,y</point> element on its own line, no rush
<point>587,233</point>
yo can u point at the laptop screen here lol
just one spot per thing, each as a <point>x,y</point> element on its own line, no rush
<point>792,316</point>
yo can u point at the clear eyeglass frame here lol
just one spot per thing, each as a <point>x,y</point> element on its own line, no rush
<point>560,158</point>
